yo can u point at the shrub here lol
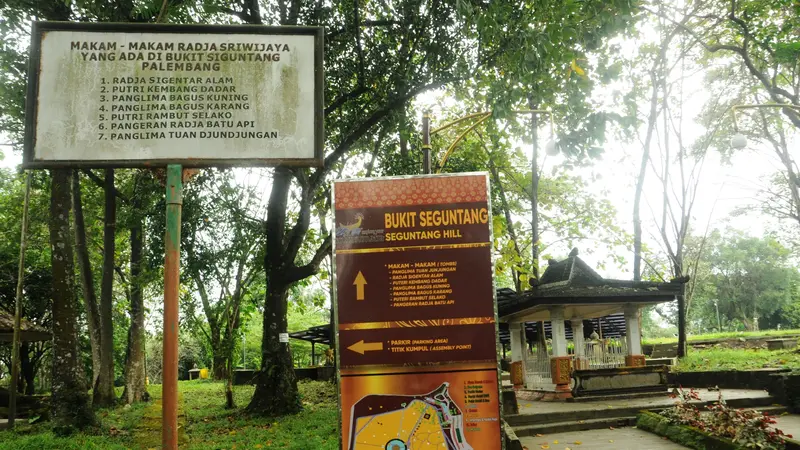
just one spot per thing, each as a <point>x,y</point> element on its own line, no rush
<point>747,428</point>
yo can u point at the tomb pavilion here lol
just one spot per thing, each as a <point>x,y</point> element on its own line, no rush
<point>592,342</point>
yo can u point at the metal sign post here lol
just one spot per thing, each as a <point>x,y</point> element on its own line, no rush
<point>172,261</point>
<point>12,394</point>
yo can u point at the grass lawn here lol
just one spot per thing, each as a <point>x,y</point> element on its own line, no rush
<point>737,359</point>
<point>204,422</point>
<point>723,335</point>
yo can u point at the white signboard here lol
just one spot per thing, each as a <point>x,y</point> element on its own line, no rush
<point>138,95</point>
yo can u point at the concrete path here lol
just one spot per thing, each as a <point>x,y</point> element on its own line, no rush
<point>616,439</point>
<point>538,407</point>
<point>147,433</point>
<point>789,424</point>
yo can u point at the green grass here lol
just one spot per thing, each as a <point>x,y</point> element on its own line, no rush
<point>205,423</point>
<point>723,335</point>
<point>737,359</point>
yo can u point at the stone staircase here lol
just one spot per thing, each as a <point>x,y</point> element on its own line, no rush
<point>605,417</point>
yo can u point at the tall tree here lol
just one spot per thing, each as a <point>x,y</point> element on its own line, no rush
<point>104,387</point>
<point>86,276</point>
<point>135,376</point>
<point>70,402</point>
<point>761,35</point>
<point>752,278</point>
<point>223,242</point>
<point>37,287</point>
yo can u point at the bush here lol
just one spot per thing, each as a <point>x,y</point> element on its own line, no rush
<point>746,428</point>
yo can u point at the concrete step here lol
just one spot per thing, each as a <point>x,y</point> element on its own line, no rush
<point>602,411</point>
<point>581,425</point>
<point>610,418</point>
<point>519,420</point>
<point>631,396</point>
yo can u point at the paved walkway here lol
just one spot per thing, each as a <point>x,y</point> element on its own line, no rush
<point>616,439</point>
<point>789,424</point>
<point>536,407</point>
<point>147,433</point>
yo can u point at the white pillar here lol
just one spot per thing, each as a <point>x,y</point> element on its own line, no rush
<point>632,335</point>
<point>580,361</point>
<point>577,335</point>
<point>559,332</point>
<point>519,348</point>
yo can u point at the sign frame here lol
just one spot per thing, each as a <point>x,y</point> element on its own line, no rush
<point>31,104</point>
<point>423,368</point>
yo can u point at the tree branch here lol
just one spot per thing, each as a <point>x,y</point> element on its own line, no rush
<point>366,125</point>
<point>100,182</point>
<point>299,273</point>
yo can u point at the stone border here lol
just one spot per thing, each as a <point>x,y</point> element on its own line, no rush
<point>726,379</point>
<point>510,438</point>
<point>689,436</point>
<point>682,434</point>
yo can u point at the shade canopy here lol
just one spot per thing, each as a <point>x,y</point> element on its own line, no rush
<point>582,292</point>
<point>28,331</point>
<point>320,334</point>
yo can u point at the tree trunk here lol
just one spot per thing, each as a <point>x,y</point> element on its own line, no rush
<point>87,282</point>
<point>220,363</point>
<point>104,387</point>
<point>534,193</point>
<point>332,329</point>
<point>512,232</point>
<point>540,337</point>
<point>217,354</point>
<point>229,403</point>
<point>276,384</point>
<point>28,371</point>
<point>637,198</point>
<point>135,376</point>
<point>70,407</point>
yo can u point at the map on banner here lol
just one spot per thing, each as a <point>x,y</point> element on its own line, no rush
<point>400,422</point>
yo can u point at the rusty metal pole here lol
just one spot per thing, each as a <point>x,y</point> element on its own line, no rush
<point>23,243</point>
<point>172,250</point>
<point>426,144</point>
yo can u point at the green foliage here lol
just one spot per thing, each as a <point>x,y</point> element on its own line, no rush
<point>730,428</point>
<point>702,360</point>
<point>205,423</point>
<point>749,278</point>
<point>684,435</point>
<point>726,335</point>
<point>37,288</point>
<point>318,392</point>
